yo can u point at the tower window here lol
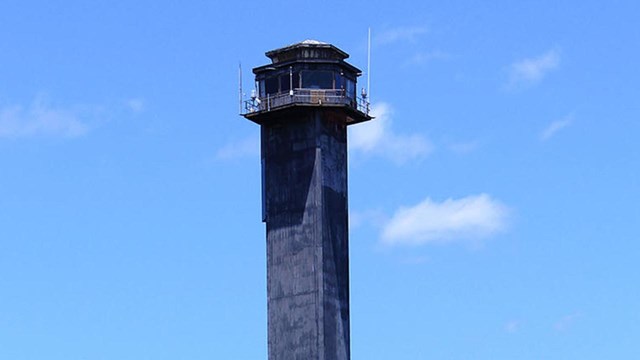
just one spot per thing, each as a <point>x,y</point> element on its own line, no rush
<point>286,79</point>
<point>351,88</point>
<point>339,80</point>
<point>284,83</point>
<point>317,79</point>
<point>271,85</point>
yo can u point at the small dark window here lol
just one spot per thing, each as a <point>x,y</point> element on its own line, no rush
<point>339,80</point>
<point>284,82</point>
<point>271,85</point>
<point>351,88</point>
<point>317,80</point>
<point>296,80</point>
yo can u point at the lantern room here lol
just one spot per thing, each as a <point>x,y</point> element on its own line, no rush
<point>307,74</point>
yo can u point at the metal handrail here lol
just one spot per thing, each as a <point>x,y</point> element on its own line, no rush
<point>306,96</point>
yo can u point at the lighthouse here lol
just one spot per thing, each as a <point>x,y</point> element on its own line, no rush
<point>303,102</point>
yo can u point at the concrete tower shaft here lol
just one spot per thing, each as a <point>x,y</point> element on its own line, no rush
<point>307,238</point>
<point>305,100</point>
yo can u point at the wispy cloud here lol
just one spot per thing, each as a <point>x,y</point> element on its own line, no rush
<point>399,34</point>
<point>247,147</point>
<point>136,105</point>
<point>566,321</point>
<point>370,217</point>
<point>512,326</point>
<point>414,260</point>
<point>471,218</point>
<point>464,147</point>
<point>41,119</point>
<point>532,70</point>
<point>422,58</point>
<point>377,137</point>
<point>556,126</point>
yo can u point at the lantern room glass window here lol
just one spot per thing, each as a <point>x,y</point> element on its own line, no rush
<point>289,79</point>
<point>282,82</point>
<point>339,81</point>
<point>271,85</point>
<point>285,83</point>
<point>317,79</point>
<point>350,88</point>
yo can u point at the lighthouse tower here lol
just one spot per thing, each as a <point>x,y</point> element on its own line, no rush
<point>304,101</point>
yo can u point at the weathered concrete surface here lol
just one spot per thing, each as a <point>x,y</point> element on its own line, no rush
<point>305,210</point>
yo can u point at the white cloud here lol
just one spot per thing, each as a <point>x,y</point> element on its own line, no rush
<point>566,321</point>
<point>377,137</point>
<point>249,146</point>
<point>422,58</point>
<point>135,105</point>
<point>532,70</point>
<point>40,119</point>
<point>464,147</point>
<point>512,326</point>
<point>556,126</point>
<point>370,217</point>
<point>470,218</point>
<point>405,33</point>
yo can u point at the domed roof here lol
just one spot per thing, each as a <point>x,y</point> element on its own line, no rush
<point>313,42</point>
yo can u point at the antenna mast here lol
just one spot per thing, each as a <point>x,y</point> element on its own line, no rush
<point>239,87</point>
<point>369,66</point>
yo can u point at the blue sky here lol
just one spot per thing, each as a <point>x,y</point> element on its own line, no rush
<point>494,200</point>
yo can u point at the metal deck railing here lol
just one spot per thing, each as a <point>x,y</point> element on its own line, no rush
<point>307,97</point>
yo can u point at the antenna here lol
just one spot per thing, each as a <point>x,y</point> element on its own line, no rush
<point>239,87</point>
<point>369,66</point>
